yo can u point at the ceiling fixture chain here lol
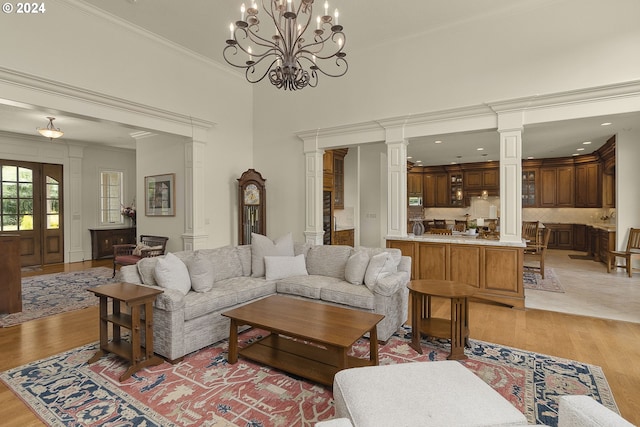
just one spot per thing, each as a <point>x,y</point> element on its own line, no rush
<point>294,55</point>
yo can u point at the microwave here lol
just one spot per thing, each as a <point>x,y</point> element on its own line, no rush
<point>415,201</point>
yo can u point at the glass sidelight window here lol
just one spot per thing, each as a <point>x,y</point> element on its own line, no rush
<point>111,195</point>
<point>17,198</point>
<point>53,203</point>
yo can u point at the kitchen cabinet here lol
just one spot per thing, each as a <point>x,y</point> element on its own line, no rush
<point>579,237</point>
<point>529,188</point>
<point>561,236</point>
<point>103,239</point>
<point>608,190</point>
<point>333,175</point>
<point>436,189</point>
<point>588,185</point>
<point>343,237</point>
<point>483,179</point>
<point>606,243</point>
<point>456,197</point>
<point>557,187</point>
<point>496,271</point>
<point>414,184</point>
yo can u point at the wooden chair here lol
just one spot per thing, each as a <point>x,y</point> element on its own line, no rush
<point>633,249</point>
<point>441,231</point>
<point>540,250</point>
<point>129,254</point>
<point>439,223</point>
<point>531,233</point>
<point>460,225</point>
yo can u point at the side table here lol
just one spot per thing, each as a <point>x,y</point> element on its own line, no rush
<point>456,328</point>
<point>136,298</point>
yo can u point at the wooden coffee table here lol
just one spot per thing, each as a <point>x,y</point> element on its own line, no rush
<point>324,334</point>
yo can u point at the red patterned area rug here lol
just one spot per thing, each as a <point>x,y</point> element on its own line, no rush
<point>204,390</point>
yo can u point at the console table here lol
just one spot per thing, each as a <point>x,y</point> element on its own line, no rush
<point>136,298</point>
<point>103,239</point>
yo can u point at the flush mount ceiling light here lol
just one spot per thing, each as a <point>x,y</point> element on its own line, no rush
<point>282,48</point>
<point>50,131</point>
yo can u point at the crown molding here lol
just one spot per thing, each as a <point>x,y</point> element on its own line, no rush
<point>58,89</point>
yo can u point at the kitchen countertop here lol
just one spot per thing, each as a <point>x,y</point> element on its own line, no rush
<point>456,239</point>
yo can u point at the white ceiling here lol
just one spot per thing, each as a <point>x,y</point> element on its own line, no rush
<point>202,26</point>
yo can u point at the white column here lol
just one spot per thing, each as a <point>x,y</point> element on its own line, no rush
<point>75,251</point>
<point>510,128</point>
<point>627,188</point>
<point>313,230</point>
<point>396,183</point>
<point>195,236</point>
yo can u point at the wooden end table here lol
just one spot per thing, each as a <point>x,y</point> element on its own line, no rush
<point>135,297</point>
<point>456,329</point>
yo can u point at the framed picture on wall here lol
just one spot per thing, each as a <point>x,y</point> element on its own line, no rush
<point>160,195</point>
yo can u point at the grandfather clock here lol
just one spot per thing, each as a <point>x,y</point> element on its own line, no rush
<point>252,216</point>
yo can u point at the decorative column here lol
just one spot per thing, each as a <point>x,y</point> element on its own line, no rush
<point>396,183</point>
<point>313,230</point>
<point>76,252</point>
<point>194,236</point>
<point>510,128</point>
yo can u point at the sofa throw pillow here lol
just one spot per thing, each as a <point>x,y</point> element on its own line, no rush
<point>262,246</point>
<point>378,268</point>
<point>172,273</point>
<point>137,251</point>
<point>201,273</point>
<point>280,267</point>
<point>328,260</point>
<point>356,267</point>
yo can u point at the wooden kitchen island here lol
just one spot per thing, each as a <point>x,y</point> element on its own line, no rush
<point>491,266</point>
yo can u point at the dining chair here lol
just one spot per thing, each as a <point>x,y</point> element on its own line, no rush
<point>531,233</point>
<point>441,231</point>
<point>128,254</point>
<point>633,249</point>
<point>460,225</point>
<point>540,250</point>
<point>440,223</point>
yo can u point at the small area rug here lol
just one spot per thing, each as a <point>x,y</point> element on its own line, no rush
<point>50,294</point>
<point>533,280</point>
<point>205,390</point>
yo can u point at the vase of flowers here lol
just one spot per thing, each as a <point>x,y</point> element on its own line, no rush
<point>130,212</point>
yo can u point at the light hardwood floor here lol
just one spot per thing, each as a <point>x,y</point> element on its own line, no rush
<point>613,345</point>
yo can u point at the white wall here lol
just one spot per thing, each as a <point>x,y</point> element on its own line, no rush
<point>114,72</point>
<point>627,177</point>
<point>545,49</point>
<point>96,159</point>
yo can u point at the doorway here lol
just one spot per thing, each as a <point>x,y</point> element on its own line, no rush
<point>31,197</point>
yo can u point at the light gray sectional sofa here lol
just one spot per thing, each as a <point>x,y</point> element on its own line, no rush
<point>187,316</point>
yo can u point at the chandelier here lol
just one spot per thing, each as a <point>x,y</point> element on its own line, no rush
<point>50,131</point>
<point>292,54</point>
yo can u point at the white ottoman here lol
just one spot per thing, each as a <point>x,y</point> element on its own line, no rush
<point>420,394</point>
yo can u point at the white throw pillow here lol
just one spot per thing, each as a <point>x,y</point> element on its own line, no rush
<point>138,249</point>
<point>280,267</point>
<point>262,246</point>
<point>172,273</point>
<point>201,272</point>
<point>378,268</point>
<point>356,267</point>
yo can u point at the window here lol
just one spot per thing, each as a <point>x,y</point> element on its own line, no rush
<point>53,203</point>
<point>111,195</point>
<point>17,198</point>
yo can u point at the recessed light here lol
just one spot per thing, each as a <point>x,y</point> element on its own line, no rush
<point>437,142</point>
<point>454,163</point>
<point>409,157</point>
<point>574,154</point>
<point>605,124</point>
<point>580,149</point>
<point>586,143</point>
<point>484,155</point>
<point>530,158</point>
<point>418,161</point>
<point>480,149</point>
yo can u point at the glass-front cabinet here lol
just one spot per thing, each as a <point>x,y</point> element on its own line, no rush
<point>529,188</point>
<point>456,197</point>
